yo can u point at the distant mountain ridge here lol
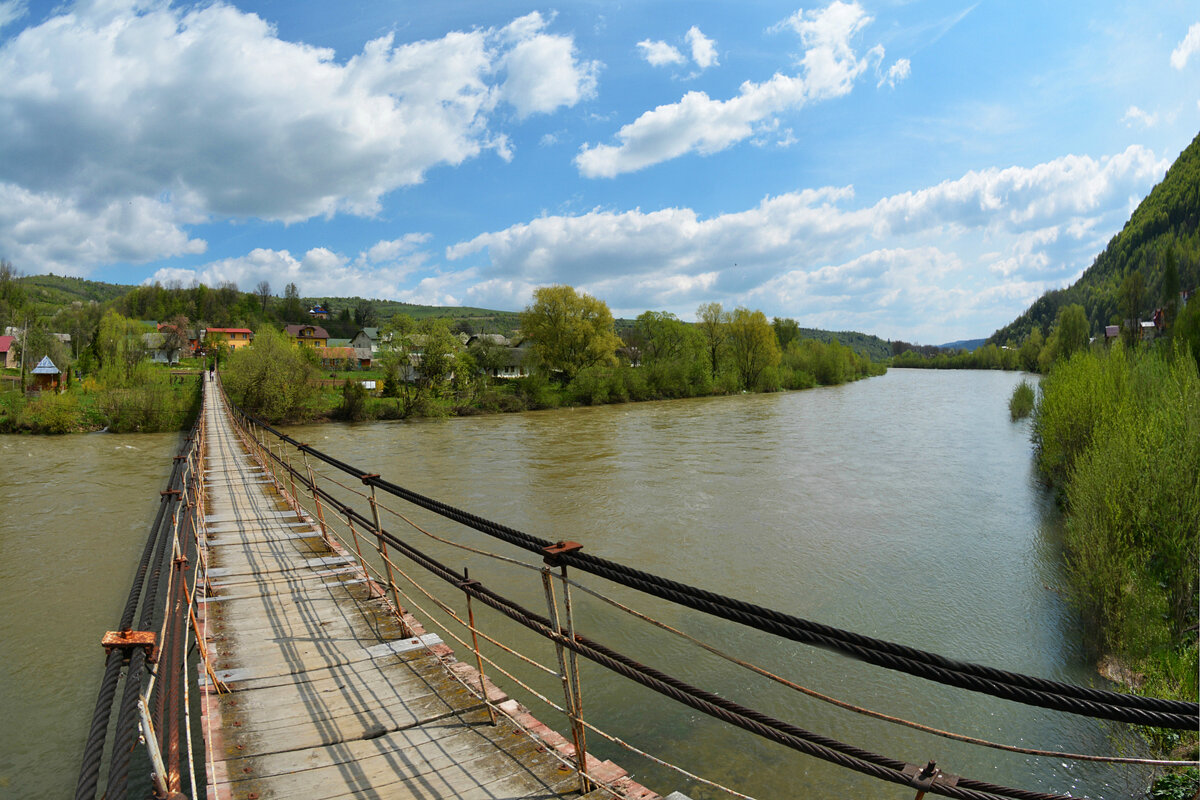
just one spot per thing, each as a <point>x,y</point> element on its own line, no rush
<point>1169,218</point>
<point>963,344</point>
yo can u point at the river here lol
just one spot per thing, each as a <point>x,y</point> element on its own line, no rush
<point>903,507</point>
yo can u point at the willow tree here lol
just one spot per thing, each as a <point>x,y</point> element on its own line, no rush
<point>753,347</point>
<point>570,331</point>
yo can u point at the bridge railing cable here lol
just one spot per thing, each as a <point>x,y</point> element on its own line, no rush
<point>1032,690</point>
<point>1022,688</point>
<point>153,654</point>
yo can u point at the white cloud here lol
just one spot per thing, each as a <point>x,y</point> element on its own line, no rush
<point>205,110</point>
<point>896,73</point>
<point>698,123</point>
<point>704,49</point>
<point>1185,49</point>
<point>659,54</point>
<point>544,72</point>
<point>50,232</point>
<point>382,270</point>
<point>11,11</point>
<point>1134,115</point>
<point>814,255</point>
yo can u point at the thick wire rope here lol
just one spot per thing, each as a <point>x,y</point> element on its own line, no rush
<point>797,687</point>
<point>1000,683</point>
<point>844,755</point>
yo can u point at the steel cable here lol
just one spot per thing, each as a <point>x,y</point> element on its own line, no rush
<point>1017,687</point>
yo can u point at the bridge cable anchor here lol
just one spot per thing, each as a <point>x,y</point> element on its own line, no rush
<point>127,641</point>
<point>553,553</point>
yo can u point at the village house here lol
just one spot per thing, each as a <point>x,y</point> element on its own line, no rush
<point>8,352</point>
<point>308,335</point>
<point>157,350</point>
<point>46,376</point>
<point>319,312</point>
<point>337,357</point>
<point>233,338</point>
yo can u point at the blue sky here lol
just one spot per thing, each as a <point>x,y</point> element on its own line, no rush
<point>915,169</point>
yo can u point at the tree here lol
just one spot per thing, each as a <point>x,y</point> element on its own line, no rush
<point>753,347</point>
<point>263,290</point>
<point>365,315</point>
<point>569,331</point>
<point>119,349</point>
<point>786,331</point>
<point>1071,330</point>
<point>1133,288</point>
<point>712,321</point>
<point>175,336</point>
<point>291,310</point>
<point>271,378</point>
<point>1170,286</point>
<point>661,337</point>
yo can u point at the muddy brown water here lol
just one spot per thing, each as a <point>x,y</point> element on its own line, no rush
<point>903,507</point>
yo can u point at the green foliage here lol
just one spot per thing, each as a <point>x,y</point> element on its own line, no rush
<point>1165,222</point>
<point>569,331</point>
<point>1070,330</point>
<point>713,322</point>
<point>354,402</point>
<point>1119,434</point>
<point>1076,396</point>
<point>752,347</point>
<point>153,404</point>
<point>272,378</point>
<point>1020,404</point>
<point>1182,785</point>
<point>51,413</point>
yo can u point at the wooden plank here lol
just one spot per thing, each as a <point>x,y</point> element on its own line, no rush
<point>326,698</point>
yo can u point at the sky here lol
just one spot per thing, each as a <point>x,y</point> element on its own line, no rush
<point>915,169</point>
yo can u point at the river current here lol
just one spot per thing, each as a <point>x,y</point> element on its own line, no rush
<point>903,507</point>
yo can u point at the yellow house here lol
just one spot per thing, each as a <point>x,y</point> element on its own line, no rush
<point>233,338</point>
<point>308,335</point>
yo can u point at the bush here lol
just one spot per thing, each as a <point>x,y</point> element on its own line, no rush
<point>272,378</point>
<point>53,413</point>
<point>1020,405</point>
<point>1119,433</point>
<point>354,402</point>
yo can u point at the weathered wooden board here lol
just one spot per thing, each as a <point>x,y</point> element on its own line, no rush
<point>328,698</point>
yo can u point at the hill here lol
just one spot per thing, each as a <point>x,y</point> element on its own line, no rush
<point>1169,218</point>
<point>60,290</point>
<point>963,344</point>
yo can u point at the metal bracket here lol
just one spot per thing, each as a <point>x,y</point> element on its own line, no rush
<point>171,493</point>
<point>369,476</point>
<point>923,778</point>
<point>127,641</point>
<point>553,552</point>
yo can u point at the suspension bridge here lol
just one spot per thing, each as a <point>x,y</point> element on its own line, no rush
<point>274,644</point>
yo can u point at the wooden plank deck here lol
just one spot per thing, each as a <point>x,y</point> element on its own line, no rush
<point>327,698</point>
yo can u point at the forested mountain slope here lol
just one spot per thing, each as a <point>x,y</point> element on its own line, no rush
<point>1168,219</point>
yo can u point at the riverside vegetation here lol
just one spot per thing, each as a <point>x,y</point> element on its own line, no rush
<point>124,392</point>
<point>1117,432</point>
<point>574,358</point>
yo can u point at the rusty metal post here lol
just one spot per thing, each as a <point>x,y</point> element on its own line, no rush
<point>585,785</point>
<point>362,564</point>
<point>573,657</point>
<point>381,545</point>
<point>312,485</point>
<point>292,479</point>
<point>475,646</point>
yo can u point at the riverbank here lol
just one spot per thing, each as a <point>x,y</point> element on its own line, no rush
<point>1117,434</point>
<point>161,402</point>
